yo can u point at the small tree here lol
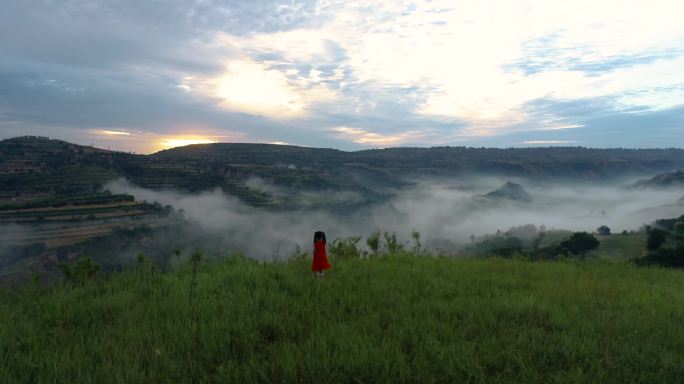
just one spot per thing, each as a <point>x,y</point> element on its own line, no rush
<point>580,243</point>
<point>373,242</point>
<point>603,230</point>
<point>391,243</point>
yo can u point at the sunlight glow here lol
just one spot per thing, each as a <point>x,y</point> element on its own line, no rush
<point>111,133</point>
<point>361,136</point>
<point>263,87</point>
<point>183,141</point>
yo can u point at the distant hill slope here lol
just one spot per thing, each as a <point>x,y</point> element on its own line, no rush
<point>672,179</point>
<point>547,163</point>
<point>37,167</point>
<point>511,191</point>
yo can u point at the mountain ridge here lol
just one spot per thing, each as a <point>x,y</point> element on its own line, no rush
<point>39,165</point>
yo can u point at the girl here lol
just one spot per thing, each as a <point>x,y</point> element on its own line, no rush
<point>320,258</point>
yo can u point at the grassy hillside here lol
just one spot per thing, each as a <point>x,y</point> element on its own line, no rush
<point>390,319</point>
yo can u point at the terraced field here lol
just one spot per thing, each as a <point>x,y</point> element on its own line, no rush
<point>35,228</point>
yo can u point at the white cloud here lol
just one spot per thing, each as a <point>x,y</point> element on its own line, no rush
<point>461,61</point>
<point>458,58</point>
<point>260,88</point>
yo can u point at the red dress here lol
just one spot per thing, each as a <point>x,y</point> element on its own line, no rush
<point>320,258</point>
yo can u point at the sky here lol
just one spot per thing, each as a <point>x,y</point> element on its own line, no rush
<point>143,76</point>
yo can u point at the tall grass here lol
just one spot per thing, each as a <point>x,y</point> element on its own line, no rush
<point>385,319</point>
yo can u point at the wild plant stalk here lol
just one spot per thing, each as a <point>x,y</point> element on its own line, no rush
<point>417,246</point>
<point>276,253</point>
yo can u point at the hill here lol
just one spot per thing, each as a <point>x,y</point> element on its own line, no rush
<point>665,180</point>
<point>35,167</point>
<point>511,191</point>
<point>387,319</point>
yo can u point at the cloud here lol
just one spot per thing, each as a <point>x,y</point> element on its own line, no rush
<point>412,73</point>
<point>261,89</point>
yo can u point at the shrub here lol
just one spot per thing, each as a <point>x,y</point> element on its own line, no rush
<point>603,230</point>
<point>551,252</point>
<point>81,272</point>
<point>391,243</point>
<point>373,242</point>
<point>665,257</point>
<point>346,248</point>
<point>665,244</point>
<point>580,243</point>
<point>656,238</point>
<point>504,246</point>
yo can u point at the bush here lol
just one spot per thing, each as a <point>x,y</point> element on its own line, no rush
<point>551,252</point>
<point>665,257</point>
<point>580,243</point>
<point>665,244</point>
<point>656,238</point>
<point>373,242</point>
<point>503,246</point>
<point>603,230</point>
<point>81,272</point>
<point>391,243</point>
<point>346,248</point>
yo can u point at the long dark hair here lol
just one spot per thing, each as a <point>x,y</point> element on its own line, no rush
<point>319,236</point>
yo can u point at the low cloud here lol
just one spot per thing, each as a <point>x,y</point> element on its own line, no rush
<point>441,210</point>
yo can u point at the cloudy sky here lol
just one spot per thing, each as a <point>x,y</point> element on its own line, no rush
<point>145,75</point>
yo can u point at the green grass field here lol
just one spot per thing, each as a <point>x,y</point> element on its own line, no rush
<point>390,319</point>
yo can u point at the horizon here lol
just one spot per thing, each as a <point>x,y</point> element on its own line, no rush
<point>352,150</point>
<point>135,77</point>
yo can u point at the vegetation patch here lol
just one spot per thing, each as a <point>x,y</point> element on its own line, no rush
<point>391,318</point>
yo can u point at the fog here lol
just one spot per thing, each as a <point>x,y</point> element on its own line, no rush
<point>12,247</point>
<point>439,209</point>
